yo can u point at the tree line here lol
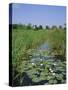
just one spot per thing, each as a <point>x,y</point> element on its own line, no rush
<point>36,27</point>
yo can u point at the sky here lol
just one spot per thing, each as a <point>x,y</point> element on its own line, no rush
<point>38,14</point>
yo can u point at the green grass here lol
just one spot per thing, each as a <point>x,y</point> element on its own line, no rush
<point>25,40</point>
<point>58,41</point>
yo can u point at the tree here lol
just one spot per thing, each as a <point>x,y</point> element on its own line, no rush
<point>47,27</point>
<point>40,27</point>
<point>54,27</point>
<point>36,27</point>
<point>20,26</point>
<point>60,27</point>
<point>65,26</point>
<point>29,26</point>
<point>15,26</point>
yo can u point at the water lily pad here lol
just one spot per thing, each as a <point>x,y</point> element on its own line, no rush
<point>59,76</point>
<point>36,79</point>
<point>55,81</point>
<point>51,81</point>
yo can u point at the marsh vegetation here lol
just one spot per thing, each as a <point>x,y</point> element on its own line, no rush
<point>38,55</point>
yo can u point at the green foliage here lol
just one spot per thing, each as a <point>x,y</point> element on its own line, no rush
<point>57,42</point>
<point>37,74</point>
<point>40,27</point>
<point>47,27</point>
<point>14,26</point>
<point>54,27</point>
<point>24,45</point>
<point>60,27</point>
<point>29,26</point>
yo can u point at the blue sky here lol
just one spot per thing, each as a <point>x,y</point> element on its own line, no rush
<point>38,14</point>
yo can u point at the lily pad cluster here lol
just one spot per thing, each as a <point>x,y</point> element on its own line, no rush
<point>41,69</point>
<point>48,71</point>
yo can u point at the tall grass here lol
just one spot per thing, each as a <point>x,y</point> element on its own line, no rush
<point>57,42</point>
<point>23,41</point>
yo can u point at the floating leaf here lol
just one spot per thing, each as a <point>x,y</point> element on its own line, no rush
<point>36,79</point>
<point>59,76</point>
<point>51,81</point>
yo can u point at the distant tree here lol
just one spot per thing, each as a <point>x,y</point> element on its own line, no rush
<point>54,27</point>
<point>20,26</point>
<point>36,27</point>
<point>47,27</point>
<point>40,27</point>
<point>24,26</point>
<point>65,26</point>
<point>60,27</point>
<point>33,26</point>
<point>15,26</point>
<point>29,26</point>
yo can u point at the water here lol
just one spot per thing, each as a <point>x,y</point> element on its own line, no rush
<point>43,47</point>
<point>38,56</point>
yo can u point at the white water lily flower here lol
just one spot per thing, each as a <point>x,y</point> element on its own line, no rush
<point>50,69</point>
<point>33,63</point>
<point>41,64</point>
<point>54,64</point>
<point>53,73</point>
